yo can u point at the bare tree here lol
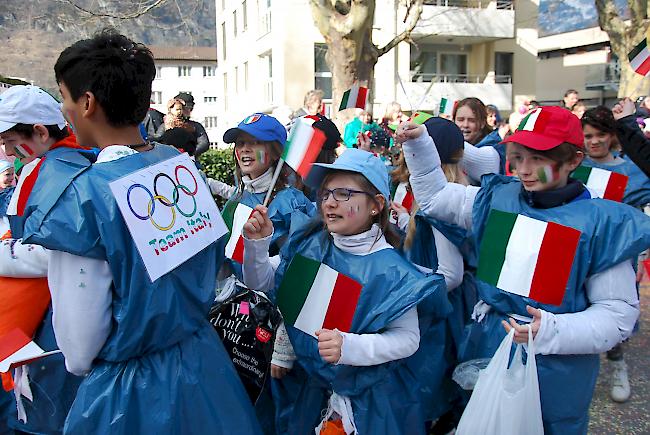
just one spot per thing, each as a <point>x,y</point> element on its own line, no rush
<point>623,36</point>
<point>138,9</point>
<point>347,29</point>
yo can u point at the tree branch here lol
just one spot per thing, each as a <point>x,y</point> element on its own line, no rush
<point>610,21</point>
<point>638,11</point>
<point>414,11</point>
<point>136,14</point>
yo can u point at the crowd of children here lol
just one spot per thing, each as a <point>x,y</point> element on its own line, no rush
<point>387,272</point>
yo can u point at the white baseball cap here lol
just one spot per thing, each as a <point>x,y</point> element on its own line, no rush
<point>29,105</point>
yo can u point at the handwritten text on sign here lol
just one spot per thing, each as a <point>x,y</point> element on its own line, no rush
<point>170,213</point>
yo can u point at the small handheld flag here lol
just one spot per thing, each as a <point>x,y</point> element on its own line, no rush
<point>447,107</point>
<point>420,117</point>
<point>639,58</point>
<point>236,215</point>
<point>303,145</point>
<point>357,97</point>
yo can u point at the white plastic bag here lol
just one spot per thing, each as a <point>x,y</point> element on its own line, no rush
<point>505,400</point>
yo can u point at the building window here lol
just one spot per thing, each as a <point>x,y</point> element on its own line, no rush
<point>266,68</point>
<point>424,65</point>
<point>234,22</point>
<point>223,39</point>
<point>209,99</point>
<point>156,97</point>
<point>428,64</point>
<point>503,65</point>
<point>264,13</point>
<point>453,64</point>
<point>245,76</point>
<point>158,72</point>
<point>184,71</point>
<point>210,122</point>
<point>236,79</point>
<point>209,71</point>
<point>322,73</point>
<point>244,15</point>
<point>225,91</point>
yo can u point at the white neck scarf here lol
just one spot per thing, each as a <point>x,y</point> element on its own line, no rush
<point>364,243</point>
<point>260,184</point>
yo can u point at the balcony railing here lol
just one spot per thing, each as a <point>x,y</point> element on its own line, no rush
<point>460,78</point>
<point>500,4</point>
<point>603,76</point>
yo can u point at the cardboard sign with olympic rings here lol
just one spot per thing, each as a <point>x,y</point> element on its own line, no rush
<point>170,213</point>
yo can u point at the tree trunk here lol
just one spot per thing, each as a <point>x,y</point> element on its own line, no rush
<point>623,37</point>
<point>350,60</point>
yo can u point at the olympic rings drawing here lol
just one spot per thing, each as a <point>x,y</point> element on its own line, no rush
<point>156,196</point>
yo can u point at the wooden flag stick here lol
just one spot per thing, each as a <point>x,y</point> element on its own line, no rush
<point>638,87</point>
<point>276,174</point>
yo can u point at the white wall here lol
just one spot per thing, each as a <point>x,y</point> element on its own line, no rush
<point>170,84</point>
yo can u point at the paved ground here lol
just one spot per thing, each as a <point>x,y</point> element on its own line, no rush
<point>632,417</point>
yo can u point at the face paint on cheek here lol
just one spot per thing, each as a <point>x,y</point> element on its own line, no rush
<point>260,156</point>
<point>352,211</point>
<point>548,173</point>
<point>23,151</point>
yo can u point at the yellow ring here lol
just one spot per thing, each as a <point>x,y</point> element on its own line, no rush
<point>150,207</point>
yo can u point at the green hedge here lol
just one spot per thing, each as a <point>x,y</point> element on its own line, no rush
<point>220,165</point>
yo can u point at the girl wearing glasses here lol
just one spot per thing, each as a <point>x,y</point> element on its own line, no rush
<point>548,255</point>
<point>365,305</point>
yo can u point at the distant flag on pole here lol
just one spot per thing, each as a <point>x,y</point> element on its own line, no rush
<point>639,58</point>
<point>355,97</point>
<point>447,107</point>
<point>303,145</point>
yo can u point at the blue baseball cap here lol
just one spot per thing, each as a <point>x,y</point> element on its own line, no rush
<point>259,125</point>
<point>353,160</point>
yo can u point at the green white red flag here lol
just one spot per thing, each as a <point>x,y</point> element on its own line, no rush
<point>236,215</point>
<point>303,145</point>
<point>605,184</point>
<point>447,107</point>
<point>314,296</point>
<point>639,58</point>
<point>357,97</point>
<point>527,257</point>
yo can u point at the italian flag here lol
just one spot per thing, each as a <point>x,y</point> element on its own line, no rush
<point>303,146</point>
<point>639,58</point>
<point>535,121</point>
<point>314,296</point>
<point>526,256</point>
<point>447,107</point>
<point>605,184</point>
<point>235,215</point>
<point>420,117</point>
<point>403,196</point>
<point>355,97</point>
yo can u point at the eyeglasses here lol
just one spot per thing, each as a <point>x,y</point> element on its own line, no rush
<point>339,194</point>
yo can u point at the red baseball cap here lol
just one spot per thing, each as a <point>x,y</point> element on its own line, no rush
<point>547,127</point>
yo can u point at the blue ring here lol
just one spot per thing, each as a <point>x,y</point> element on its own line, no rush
<point>128,201</point>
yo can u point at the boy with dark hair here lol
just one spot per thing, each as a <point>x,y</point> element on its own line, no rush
<point>153,363</point>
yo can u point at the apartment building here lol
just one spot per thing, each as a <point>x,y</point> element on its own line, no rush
<point>270,54</point>
<point>192,70</point>
<point>587,64</point>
